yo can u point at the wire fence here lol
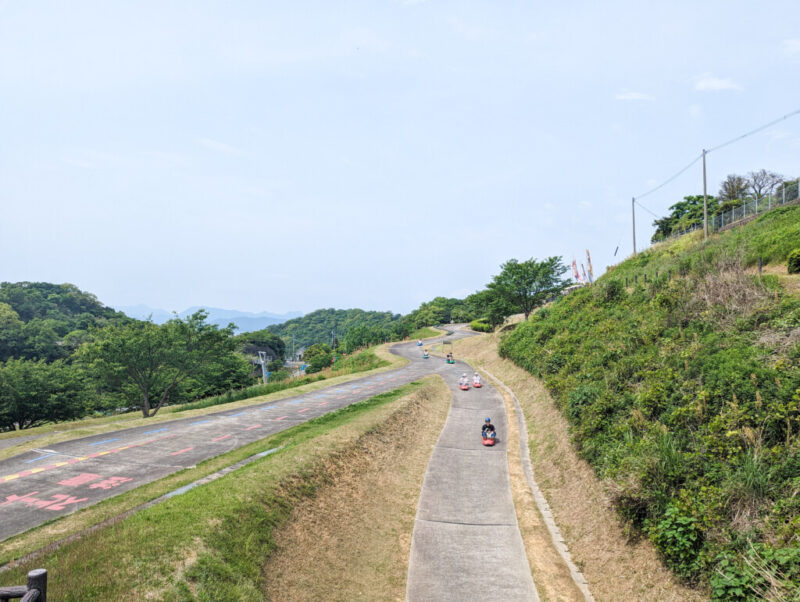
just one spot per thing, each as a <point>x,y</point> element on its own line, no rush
<point>745,210</point>
<point>733,214</point>
<point>749,208</point>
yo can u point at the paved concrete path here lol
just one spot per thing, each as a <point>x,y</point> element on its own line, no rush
<point>43,484</point>
<point>466,542</point>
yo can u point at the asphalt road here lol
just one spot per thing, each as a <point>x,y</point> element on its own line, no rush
<point>40,485</point>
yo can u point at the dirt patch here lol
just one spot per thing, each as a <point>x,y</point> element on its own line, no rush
<point>615,568</point>
<point>352,540</point>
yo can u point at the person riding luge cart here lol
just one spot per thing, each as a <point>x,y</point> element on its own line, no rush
<point>476,381</point>
<point>488,433</point>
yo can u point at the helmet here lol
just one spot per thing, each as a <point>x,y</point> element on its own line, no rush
<point>487,419</point>
<point>476,374</point>
<point>464,374</point>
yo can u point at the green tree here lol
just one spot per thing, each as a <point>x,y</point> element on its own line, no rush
<point>523,286</point>
<point>11,337</point>
<point>147,364</point>
<point>317,357</point>
<point>732,190</point>
<point>683,215</point>
<point>35,392</point>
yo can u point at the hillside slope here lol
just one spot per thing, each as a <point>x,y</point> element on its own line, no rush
<point>683,391</point>
<point>316,327</point>
<point>41,320</point>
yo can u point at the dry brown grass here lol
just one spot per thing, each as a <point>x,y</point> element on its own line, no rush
<point>353,539</point>
<point>550,574</point>
<point>789,282</point>
<point>615,568</point>
<point>727,290</point>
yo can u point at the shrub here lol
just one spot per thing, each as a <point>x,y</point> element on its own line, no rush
<point>613,290</point>
<point>480,325</point>
<point>763,573</point>
<point>793,263</point>
<point>279,375</point>
<point>317,357</point>
<point>679,540</point>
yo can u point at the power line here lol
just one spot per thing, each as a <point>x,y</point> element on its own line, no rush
<point>646,209</point>
<point>755,131</point>
<point>635,200</point>
<point>719,146</point>
<point>668,180</point>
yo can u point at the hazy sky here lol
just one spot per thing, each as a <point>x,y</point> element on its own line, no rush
<point>295,155</point>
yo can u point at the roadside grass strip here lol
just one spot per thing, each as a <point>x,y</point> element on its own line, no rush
<point>212,541</point>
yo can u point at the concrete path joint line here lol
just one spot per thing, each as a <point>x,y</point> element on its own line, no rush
<point>541,501</point>
<point>455,522</point>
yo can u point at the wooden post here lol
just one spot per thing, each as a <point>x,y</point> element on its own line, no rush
<point>37,579</point>
<point>705,200</point>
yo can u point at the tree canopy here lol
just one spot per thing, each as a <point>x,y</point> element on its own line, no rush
<point>40,320</point>
<point>316,327</point>
<point>683,215</point>
<point>147,363</point>
<point>524,285</point>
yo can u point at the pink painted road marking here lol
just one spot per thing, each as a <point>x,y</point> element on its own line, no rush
<point>26,473</point>
<point>324,403</point>
<point>181,451</point>
<point>221,438</point>
<point>341,396</point>
<point>303,410</point>
<point>250,428</point>
<point>281,418</point>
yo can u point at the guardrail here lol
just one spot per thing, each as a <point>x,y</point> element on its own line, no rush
<point>36,589</point>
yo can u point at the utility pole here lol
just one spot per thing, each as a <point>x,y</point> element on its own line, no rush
<point>633,222</point>
<point>262,359</point>
<point>705,200</point>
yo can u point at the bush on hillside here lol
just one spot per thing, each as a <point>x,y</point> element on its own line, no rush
<point>793,263</point>
<point>481,325</point>
<point>317,357</point>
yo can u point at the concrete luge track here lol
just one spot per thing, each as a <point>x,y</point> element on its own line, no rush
<point>43,484</point>
<point>466,542</point>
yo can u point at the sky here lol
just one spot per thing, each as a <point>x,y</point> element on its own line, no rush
<point>283,156</point>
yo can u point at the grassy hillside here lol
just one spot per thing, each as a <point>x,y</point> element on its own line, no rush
<point>684,394</point>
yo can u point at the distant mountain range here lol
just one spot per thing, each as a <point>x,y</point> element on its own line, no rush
<point>245,321</point>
